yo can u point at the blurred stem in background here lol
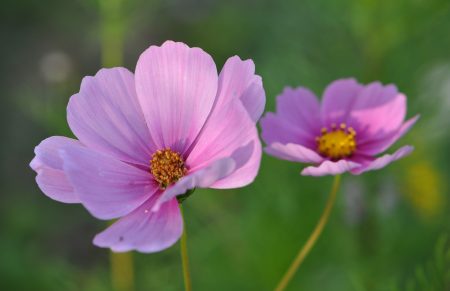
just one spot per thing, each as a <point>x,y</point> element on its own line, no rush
<point>184,256</point>
<point>304,251</point>
<point>111,32</point>
<point>122,274</point>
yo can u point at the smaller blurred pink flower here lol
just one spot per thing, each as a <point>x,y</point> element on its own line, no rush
<point>353,124</point>
<point>148,137</point>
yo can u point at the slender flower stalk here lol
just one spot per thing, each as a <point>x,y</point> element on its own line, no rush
<point>184,255</point>
<point>122,271</point>
<point>304,251</point>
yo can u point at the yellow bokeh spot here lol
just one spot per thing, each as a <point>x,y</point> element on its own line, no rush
<point>424,189</point>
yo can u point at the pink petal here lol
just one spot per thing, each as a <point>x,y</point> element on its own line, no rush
<point>330,168</point>
<point>176,87</point>
<point>378,111</point>
<point>231,123</point>
<point>293,152</point>
<point>48,165</point>
<point>301,108</point>
<point>275,128</point>
<point>144,230</point>
<point>383,161</point>
<point>376,146</point>
<point>228,128</point>
<point>107,187</point>
<point>338,100</point>
<point>297,119</point>
<point>238,80</point>
<point>246,169</point>
<point>209,175</point>
<point>105,115</point>
<point>254,99</point>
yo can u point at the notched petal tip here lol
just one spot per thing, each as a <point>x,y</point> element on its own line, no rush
<point>329,168</point>
<point>143,230</point>
<point>237,80</point>
<point>350,81</point>
<point>176,87</point>
<point>171,44</point>
<point>35,164</point>
<point>384,160</point>
<point>48,165</point>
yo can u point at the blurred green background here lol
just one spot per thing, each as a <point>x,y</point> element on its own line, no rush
<point>389,230</point>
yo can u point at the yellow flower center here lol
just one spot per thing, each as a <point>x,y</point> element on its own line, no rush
<point>167,167</point>
<point>338,143</point>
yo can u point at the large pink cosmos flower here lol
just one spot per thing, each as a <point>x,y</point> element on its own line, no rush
<point>146,138</point>
<point>353,124</point>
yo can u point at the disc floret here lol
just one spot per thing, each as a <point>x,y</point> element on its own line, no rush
<point>337,143</point>
<point>167,167</point>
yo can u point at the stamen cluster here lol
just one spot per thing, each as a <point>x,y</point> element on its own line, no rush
<point>167,167</point>
<point>338,143</point>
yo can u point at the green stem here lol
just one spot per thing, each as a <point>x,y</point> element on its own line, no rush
<point>122,274</point>
<point>184,256</point>
<point>304,251</point>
